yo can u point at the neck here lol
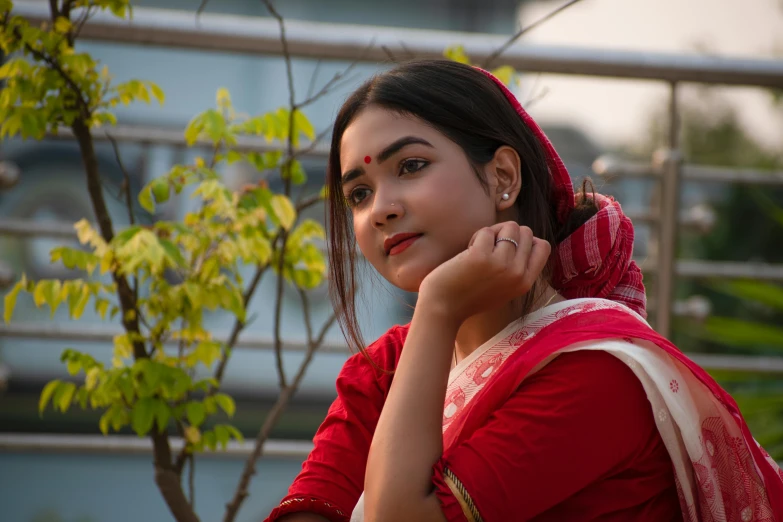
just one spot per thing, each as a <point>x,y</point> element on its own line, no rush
<point>480,328</point>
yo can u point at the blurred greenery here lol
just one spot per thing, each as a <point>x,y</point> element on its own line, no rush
<point>746,316</point>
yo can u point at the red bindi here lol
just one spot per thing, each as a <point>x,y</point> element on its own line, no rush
<point>367,159</point>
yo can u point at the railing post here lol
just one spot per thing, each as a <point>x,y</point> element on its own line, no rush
<point>670,163</point>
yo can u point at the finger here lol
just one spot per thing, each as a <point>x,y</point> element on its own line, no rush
<point>484,240</point>
<point>525,245</point>
<point>507,249</point>
<point>536,260</point>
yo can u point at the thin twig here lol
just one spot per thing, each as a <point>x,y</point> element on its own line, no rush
<point>201,8</point>
<point>313,79</point>
<point>500,50</point>
<point>389,54</point>
<point>286,54</point>
<point>313,144</point>
<point>278,341</point>
<point>308,202</point>
<point>238,325</point>
<point>232,508</point>
<point>191,480</point>
<point>339,78</point>
<point>126,187</point>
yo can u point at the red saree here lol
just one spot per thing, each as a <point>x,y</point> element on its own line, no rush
<point>720,472</point>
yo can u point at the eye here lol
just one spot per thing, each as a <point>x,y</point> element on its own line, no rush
<point>357,195</point>
<point>409,166</point>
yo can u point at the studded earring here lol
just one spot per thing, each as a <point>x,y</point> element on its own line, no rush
<point>505,197</point>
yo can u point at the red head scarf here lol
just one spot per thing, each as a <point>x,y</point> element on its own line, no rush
<point>595,260</point>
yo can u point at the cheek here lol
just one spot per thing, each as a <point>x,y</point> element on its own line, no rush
<point>363,230</point>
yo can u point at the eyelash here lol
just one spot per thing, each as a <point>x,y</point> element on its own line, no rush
<point>420,162</point>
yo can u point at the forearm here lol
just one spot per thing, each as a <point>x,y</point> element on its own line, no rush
<point>408,439</point>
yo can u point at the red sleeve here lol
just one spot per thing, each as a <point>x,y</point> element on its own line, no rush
<point>580,418</point>
<point>332,477</point>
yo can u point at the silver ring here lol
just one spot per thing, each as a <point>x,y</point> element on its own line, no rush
<point>498,240</point>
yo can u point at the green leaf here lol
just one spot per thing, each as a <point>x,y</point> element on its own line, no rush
<point>297,173</point>
<point>74,366</point>
<point>47,393</point>
<point>222,435</point>
<point>209,439</point>
<point>126,235</point>
<point>64,395</point>
<point>172,252</point>
<point>9,302</point>
<point>162,415</point>
<point>146,200</point>
<point>746,334</point>
<point>235,433</point>
<point>143,415</point>
<point>768,294</point>
<point>196,413</point>
<point>103,423</point>
<point>160,189</point>
<point>226,403</point>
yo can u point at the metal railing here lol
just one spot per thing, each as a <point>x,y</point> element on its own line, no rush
<point>256,35</point>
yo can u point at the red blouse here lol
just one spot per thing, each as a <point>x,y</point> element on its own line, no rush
<point>576,442</point>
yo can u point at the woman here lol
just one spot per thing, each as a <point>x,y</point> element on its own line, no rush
<point>528,385</point>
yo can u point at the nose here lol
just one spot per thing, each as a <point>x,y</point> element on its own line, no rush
<point>385,209</point>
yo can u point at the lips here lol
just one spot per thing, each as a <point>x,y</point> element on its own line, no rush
<point>399,242</point>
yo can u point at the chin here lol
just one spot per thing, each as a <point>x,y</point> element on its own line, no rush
<point>409,279</point>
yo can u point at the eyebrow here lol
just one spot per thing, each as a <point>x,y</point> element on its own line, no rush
<point>385,154</point>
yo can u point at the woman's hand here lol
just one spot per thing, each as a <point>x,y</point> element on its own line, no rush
<point>487,275</point>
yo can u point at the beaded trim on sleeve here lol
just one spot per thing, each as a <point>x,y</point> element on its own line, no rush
<point>462,496</point>
<point>299,500</point>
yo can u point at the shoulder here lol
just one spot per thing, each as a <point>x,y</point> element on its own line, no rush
<point>594,374</point>
<point>591,387</point>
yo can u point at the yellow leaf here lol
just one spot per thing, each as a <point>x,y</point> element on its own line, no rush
<point>457,54</point>
<point>192,434</point>
<point>505,74</point>
<point>62,25</point>
<point>46,394</point>
<point>157,92</point>
<point>284,210</point>
<point>91,379</point>
<point>223,98</point>
<point>10,300</point>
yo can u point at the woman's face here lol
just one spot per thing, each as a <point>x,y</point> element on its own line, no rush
<point>416,200</point>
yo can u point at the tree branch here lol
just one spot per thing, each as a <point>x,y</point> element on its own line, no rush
<point>167,480</point>
<point>191,481</point>
<point>238,326</point>
<point>278,341</point>
<point>232,508</point>
<point>126,183</point>
<point>516,36</point>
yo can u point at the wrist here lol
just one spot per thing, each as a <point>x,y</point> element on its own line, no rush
<point>437,313</point>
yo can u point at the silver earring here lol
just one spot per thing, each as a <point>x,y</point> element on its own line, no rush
<point>505,197</point>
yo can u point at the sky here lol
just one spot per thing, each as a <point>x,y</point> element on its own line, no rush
<point>612,110</point>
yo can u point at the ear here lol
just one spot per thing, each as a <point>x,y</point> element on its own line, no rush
<point>506,169</point>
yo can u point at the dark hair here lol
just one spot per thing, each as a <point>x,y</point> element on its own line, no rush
<point>468,108</point>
